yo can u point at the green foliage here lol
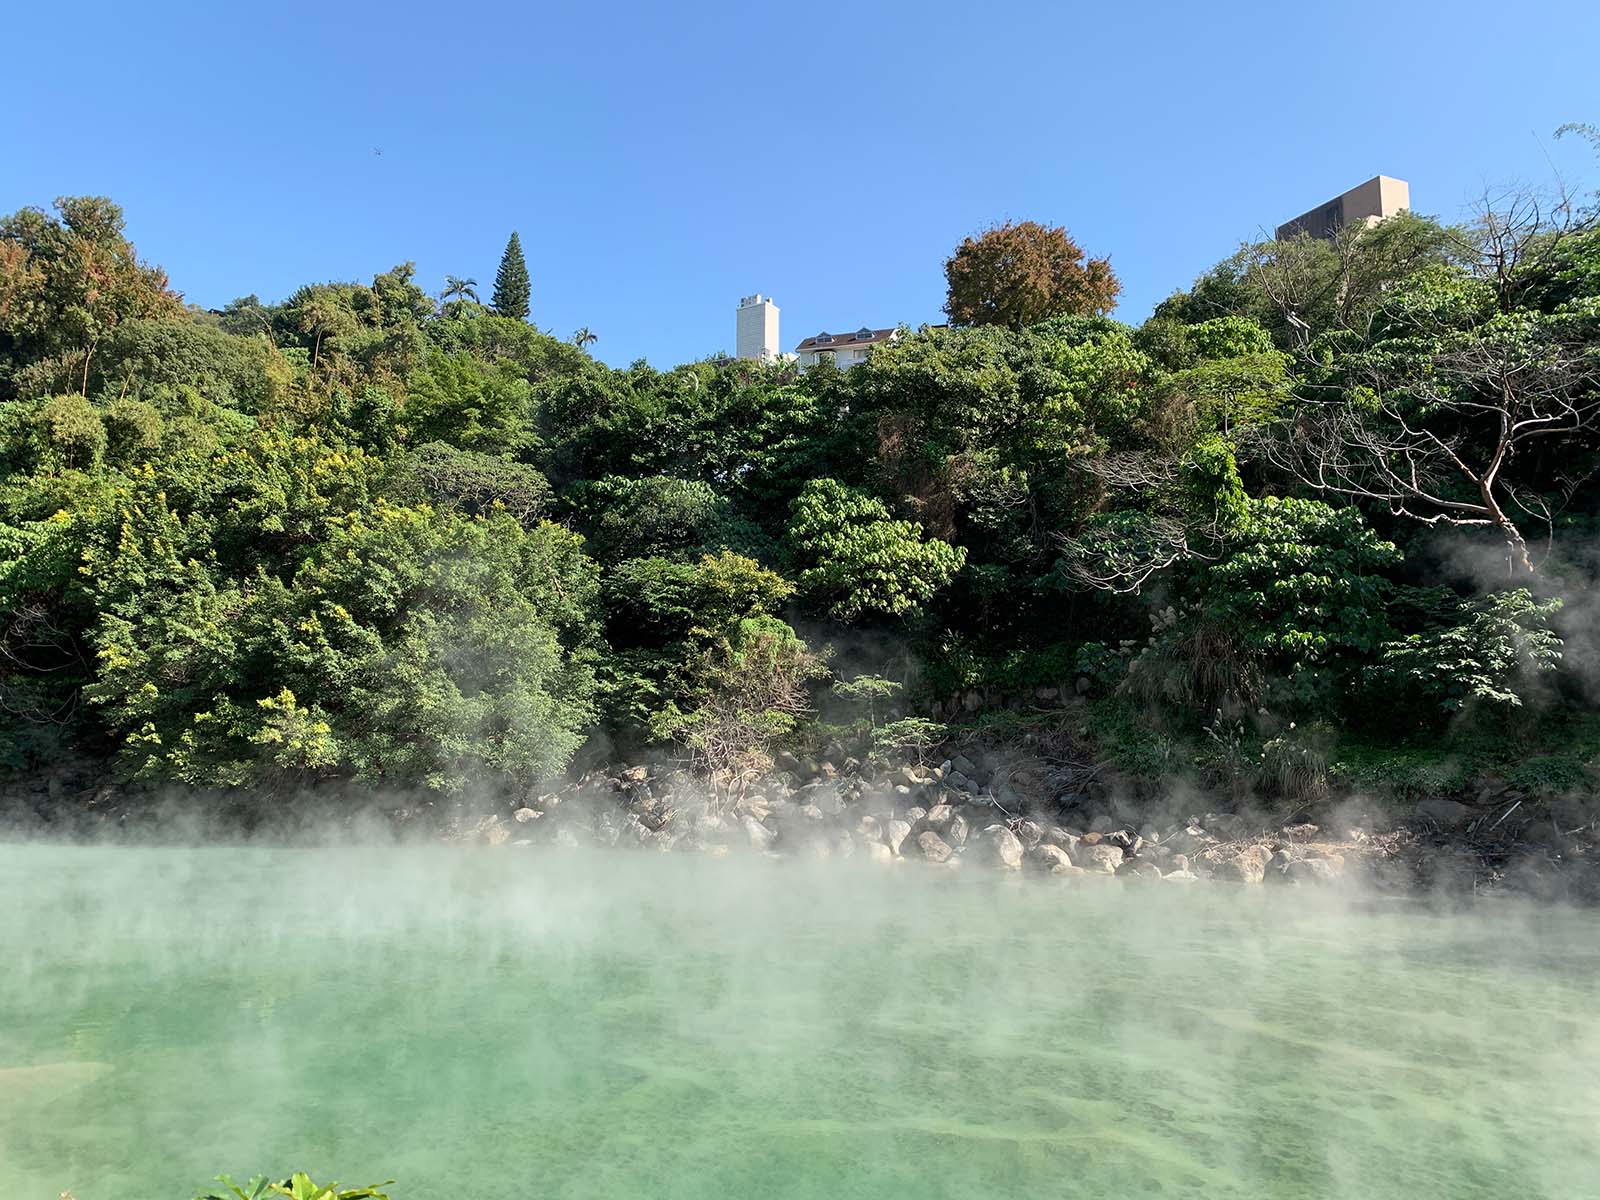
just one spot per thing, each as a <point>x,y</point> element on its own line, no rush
<point>1552,775</point>
<point>659,515</point>
<point>748,694</point>
<point>870,692</point>
<point>1301,584</point>
<point>472,404</point>
<point>1125,737</point>
<point>1498,644</point>
<point>858,560</point>
<point>405,647</point>
<point>314,538</point>
<point>476,483</point>
<point>512,288</point>
<point>667,619</point>
<point>298,1186</point>
<point>913,735</point>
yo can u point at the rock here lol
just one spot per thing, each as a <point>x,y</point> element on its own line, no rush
<point>1150,834</point>
<point>1179,862</point>
<point>963,765</point>
<point>1029,833</point>
<point>959,830</point>
<point>915,814</point>
<point>879,853</point>
<point>1138,868</point>
<point>1184,876</point>
<point>524,815</point>
<point>1248,866</point>
<point>1131,843</point>
<point>810,812</point>
<point>1311,871</point>
<point>896,834</point>
<point>1045,857</point>
<point>869,829</point>
<point>939,818</point>
<point>761,838</point>
<point>1189,839</point>
<point>1066,869</point>
<point>998,846</point>
<point>1058,835</point>
<point>933,847</point>
<point>1104,823</point>
<point>1098,857</point>
<point>1439,810</point>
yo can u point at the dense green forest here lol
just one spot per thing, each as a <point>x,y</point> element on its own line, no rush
<point>1329,513</point>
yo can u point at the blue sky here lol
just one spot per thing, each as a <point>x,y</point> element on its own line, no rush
<point>662,160</point>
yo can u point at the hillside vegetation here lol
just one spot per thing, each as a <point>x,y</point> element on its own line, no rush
<point>1329,514</point>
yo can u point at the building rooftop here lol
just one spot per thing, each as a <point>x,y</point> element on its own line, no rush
<point>843,341</point>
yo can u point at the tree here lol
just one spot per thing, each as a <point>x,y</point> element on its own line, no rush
<point>65,284</point>
<point>751,692</point>
<point>1442,417</point>
<point>512,288</point>
<point>1019,274</point>
<point>584,338</point>
<point>458,289</point>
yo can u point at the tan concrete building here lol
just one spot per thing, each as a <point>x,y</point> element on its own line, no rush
<point>1367,204</point>
<point>756,334</point>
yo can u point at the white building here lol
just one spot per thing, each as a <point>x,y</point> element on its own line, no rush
<point>757,335</point>
<point>844,349</point>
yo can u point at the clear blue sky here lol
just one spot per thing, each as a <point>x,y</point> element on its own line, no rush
<point>661,160</point>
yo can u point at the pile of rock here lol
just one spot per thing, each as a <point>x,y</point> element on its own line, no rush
<point>948,815</point>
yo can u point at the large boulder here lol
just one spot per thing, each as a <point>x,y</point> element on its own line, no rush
<point>761,838</point>
<point>1046,857</point>
<point>1139,868</point>
<point>1246,866</point>
<point>896,834</point>
<point>1312,871</point>
<point>958,831</point>
<point>933,847</point>
<point>1100,858</point>
<point>1057,835</point>
<point>998,846</point>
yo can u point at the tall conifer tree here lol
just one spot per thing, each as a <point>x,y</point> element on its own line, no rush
<point>511,286</point>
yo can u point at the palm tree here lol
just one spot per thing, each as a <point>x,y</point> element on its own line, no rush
<point>458,289</point>
<point>585,338</point>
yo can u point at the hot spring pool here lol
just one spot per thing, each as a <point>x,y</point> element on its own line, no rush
<point>537,1024</point>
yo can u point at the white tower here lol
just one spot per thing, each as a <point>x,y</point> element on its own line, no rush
<point>758,329</point>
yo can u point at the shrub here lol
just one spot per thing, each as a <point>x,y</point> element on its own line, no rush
<point>858,561</point>
<point>298,1187</point>
<point>1497,644</point>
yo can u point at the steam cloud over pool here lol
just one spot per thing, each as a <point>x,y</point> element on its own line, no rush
<point>615,1025</point>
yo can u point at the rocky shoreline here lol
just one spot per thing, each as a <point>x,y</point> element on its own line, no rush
<point>1005,808</point>
<point>1006,811</point>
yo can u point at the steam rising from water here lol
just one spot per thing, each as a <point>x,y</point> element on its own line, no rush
<point>628,1024</point>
